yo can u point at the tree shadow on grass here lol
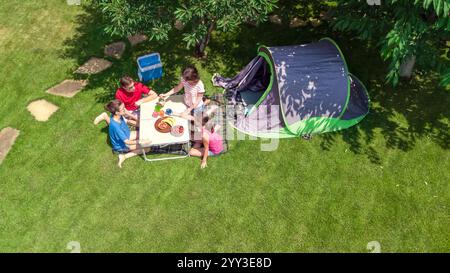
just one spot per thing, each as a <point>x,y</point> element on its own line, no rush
<point>416,109</point>
<point>90,40</point>
<point>229,52</point>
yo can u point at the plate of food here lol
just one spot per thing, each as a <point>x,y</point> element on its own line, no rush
<point>177,130</point>
<point>164,125</point>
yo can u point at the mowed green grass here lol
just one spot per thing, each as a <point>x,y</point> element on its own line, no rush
<point>385,180</point>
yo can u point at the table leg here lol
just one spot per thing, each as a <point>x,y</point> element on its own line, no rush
<point>186,154</point>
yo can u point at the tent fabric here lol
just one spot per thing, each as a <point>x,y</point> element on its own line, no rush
<point>358,102</point>
<point>290,91</point>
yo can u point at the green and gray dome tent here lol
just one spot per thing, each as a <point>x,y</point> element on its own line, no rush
<point>289,91</point>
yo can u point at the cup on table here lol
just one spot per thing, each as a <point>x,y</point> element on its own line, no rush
<point>155,114</point>
<point>169,112</point>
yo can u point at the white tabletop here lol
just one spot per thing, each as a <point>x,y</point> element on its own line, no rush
<point>147,122</point>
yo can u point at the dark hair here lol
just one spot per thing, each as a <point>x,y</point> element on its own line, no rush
<point>126,81</point>
<point>205,120</point>
<point>113,106</point>
<point>190,73</point>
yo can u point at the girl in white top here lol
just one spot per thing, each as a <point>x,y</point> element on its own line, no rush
<point>193,90</point>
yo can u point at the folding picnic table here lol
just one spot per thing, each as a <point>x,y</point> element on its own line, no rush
<point>147,127</point>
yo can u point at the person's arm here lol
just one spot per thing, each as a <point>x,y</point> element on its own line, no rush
<point>174,90</point>
<point>184,115</point>
<point>206,151</point>
<point>129,115</point>
<point>137,142</point>
<point>149,94</point>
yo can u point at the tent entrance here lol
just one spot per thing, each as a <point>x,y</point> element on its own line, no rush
<point>255,83</point>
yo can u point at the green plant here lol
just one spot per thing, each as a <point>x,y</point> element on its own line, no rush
<point>201,17</point>
<point>404,30</point>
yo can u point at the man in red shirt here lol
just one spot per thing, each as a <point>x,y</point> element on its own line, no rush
<point>131,94</point>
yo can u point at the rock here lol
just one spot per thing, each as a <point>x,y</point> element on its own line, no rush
<point>297,22</point>
<point>94,66</point>
<point>315,22</point>
<point>68,88</point>
<point>115,50</point>
<point>8,136</point>
<point>326,15</point>
<point>42,110</point>
<point>137,39</point>
<point>275,18</point>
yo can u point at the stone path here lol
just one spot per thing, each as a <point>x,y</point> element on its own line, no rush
<point>94,66</point>
<point>115,50</point>
<point>137,39</point>
<point>68,88</point>
<point>42,110</point>
<point>8,136</point>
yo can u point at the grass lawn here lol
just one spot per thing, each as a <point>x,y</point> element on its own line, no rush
<point>385,180</point>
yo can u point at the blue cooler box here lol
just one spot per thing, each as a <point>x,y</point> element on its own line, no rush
<point>149,67</point>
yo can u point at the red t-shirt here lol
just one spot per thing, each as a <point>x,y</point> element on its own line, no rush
<point>130,98</point>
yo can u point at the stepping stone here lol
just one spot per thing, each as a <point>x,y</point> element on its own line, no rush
<point>42,110</point>
<point>94,66</point>
<point>68,88</point>
<point>275,19</point>
<point>8,136</point>
<point>115,50</point>
<point>297,22</point>
<point>137,39</point>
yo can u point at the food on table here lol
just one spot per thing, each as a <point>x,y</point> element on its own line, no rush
<point>177,130</point>
<point>155,114</point>
<point>169,120</point>
<point>161,113</point>
<point>164,125</point>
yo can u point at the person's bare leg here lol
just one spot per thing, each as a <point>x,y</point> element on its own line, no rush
<point>102,117</point>
<point>197,144</point>
<point>198,152</point>
<point>123,157</point>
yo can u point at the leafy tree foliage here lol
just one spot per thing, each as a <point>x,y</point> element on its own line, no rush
<point>201,17</point>
<point>405,30</point>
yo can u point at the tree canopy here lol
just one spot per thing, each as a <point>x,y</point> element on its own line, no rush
<point>200,17</point>
<point>405,30</point>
